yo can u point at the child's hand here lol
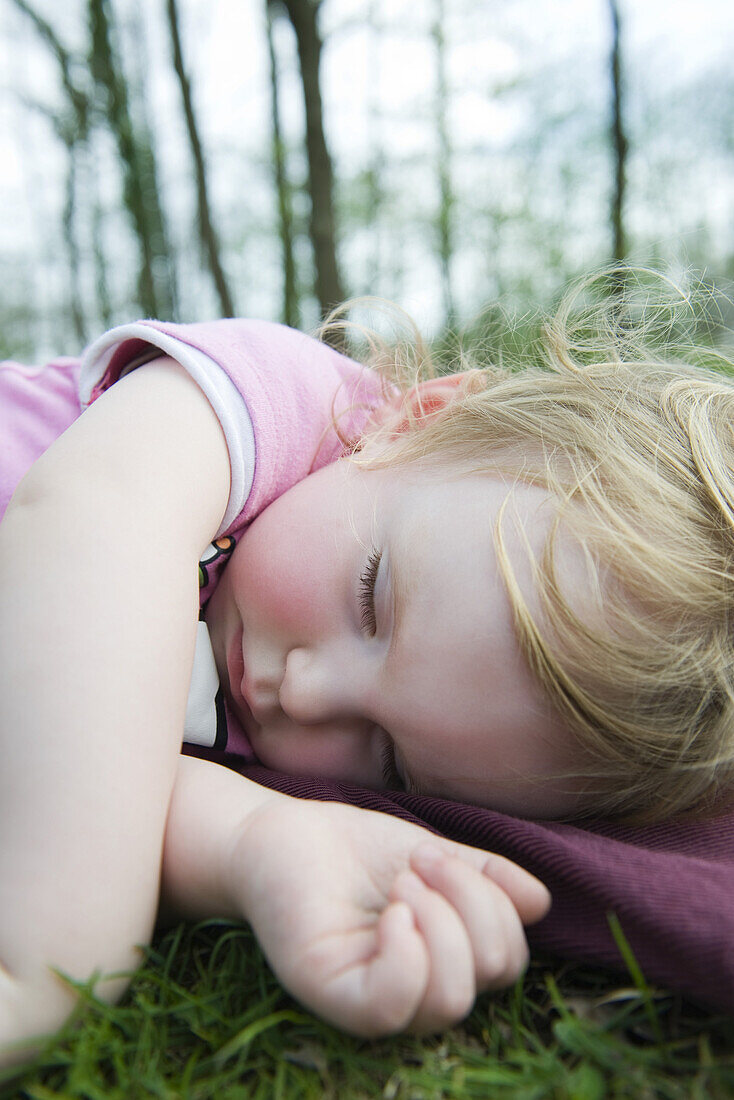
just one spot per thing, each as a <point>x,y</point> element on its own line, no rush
<point>373,923</point>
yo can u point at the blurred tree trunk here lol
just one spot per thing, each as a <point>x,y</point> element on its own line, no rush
<point>72,247</point>
<point>76,96</point>
<point>290,311</point>
<point>446,198</point>
<point>71,124</point>
<point>620,145</point>
<point>130,43</point>
<point>303,15</point>
<point>207,233</point>
<point>375,171</point>
<point>140,184</point>
<point>101,283</point>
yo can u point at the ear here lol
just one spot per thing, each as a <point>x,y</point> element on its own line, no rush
<point>433,395</point>
<point>425,399</point>
<point>403,410</point>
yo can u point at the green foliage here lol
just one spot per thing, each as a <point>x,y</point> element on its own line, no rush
<point>204,1017</point>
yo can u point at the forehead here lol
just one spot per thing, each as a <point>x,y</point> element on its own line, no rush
<point>429,510</point>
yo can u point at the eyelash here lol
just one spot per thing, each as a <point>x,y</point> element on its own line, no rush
<point>367,593</point>
<point>390,775</point>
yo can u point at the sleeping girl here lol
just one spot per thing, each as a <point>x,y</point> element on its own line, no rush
<point>511,589</point>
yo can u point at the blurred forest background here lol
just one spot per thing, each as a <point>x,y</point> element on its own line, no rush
<point>195,158</point>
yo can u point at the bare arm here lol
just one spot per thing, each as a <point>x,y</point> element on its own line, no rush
<point>98,609</point>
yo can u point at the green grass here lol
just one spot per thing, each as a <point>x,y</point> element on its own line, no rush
<point>205,1018</point>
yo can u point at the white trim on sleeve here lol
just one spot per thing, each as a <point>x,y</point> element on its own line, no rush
<point>222,394</point>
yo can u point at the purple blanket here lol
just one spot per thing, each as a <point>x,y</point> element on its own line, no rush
<point>671,886</point>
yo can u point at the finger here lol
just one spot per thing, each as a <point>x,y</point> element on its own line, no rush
<point>381,994</point>
<point>530,897</point>
<point>451,987</point>
<point>493,926</point>
<point>528,894</point>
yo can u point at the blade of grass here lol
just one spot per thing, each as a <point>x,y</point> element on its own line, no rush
<point>636,974</point>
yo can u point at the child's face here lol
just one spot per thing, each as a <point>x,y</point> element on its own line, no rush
<point>330,682</point>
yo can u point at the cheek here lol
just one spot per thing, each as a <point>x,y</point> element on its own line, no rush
<point>282,571</point>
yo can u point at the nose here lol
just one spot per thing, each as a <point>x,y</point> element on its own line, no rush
<point>319,687</point>
<point>326,694</point>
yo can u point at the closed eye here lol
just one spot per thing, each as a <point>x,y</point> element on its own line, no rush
<point>366,593</point>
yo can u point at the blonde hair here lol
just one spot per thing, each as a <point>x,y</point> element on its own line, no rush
<point>632,432</point>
